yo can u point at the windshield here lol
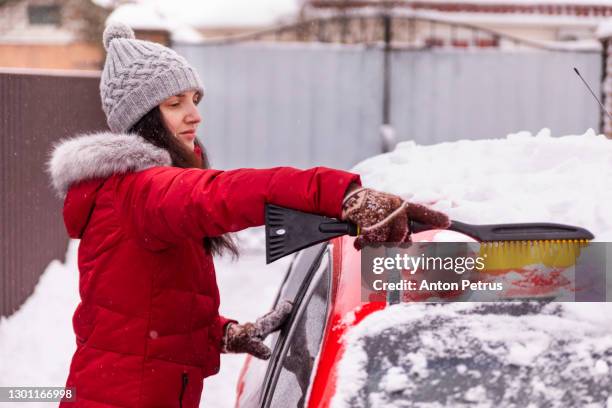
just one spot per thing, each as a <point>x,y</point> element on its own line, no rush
<point>512,354</point>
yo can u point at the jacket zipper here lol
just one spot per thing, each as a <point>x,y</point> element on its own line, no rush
<point>185,380</point>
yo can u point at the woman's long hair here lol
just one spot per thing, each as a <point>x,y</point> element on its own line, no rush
<point>151,127</point>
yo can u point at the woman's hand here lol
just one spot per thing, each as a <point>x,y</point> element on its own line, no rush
<point>384,217</point>
<point>249,337</point>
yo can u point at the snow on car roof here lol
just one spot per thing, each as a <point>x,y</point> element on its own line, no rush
<point>520,178</point>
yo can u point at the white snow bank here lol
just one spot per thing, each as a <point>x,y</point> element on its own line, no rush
<point>37,341</point>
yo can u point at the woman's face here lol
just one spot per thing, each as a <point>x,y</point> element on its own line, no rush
<point>181,117</point>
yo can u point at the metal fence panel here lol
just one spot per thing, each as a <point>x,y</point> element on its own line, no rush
<point>321,104</point>
<point>446,95</point>
<point>288,104</point>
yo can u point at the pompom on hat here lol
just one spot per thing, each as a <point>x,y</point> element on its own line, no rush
<point>116,30</point>
<point>138,75</point>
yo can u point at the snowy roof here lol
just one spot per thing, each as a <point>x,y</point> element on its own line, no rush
<point>539,20</point>
<point>605,29</point>
<point>209,13</point>
<point>146,16</point>
<point>493,2</point>
<point>578,9</point>
<point>525,2</point>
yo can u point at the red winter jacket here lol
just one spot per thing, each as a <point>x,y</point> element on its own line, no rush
<point>147,328</point>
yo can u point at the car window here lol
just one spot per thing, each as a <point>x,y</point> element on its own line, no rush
<point>259,371</point>
<point>480,355</point>
<point>300,346</point>
<point>303,264</point>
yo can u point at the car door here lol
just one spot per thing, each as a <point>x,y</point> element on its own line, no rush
<point>258,374</point>
<point>297,347</point>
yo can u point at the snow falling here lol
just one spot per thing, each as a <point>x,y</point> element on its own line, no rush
<point>520,178</point>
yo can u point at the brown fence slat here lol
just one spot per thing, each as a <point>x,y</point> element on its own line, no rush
<point>37,108</point>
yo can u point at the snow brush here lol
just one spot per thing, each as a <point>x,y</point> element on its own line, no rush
<point>505,246</point>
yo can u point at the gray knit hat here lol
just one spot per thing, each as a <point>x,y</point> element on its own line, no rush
<point>138,75</point>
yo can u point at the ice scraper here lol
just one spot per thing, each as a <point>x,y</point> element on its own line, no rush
<point>506,245</point>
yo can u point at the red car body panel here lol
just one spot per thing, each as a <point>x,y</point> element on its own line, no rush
<point>345,299</point>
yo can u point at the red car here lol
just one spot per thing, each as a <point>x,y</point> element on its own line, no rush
<point>325,283</point>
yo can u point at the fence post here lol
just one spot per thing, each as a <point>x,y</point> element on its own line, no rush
<point>386,129</point>
<point>606,86</point>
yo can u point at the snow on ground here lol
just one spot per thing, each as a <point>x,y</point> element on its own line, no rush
<point>521,178</point>
<point>37,341</point>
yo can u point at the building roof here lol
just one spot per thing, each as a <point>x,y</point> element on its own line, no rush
<point>218,13</point>
<point>579,8</point>
<point>145,16</point>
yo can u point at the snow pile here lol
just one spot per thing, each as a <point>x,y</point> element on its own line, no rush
<point>522,178</point>
<point>37,341</point>
<point>470,354</point>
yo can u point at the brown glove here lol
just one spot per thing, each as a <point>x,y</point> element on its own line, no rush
<point>249,337</point>
<point>384,217</point>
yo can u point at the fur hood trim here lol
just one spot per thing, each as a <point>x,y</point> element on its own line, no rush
<point>100,155</point>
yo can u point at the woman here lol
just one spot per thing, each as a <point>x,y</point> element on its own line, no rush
<point>150,214</point>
